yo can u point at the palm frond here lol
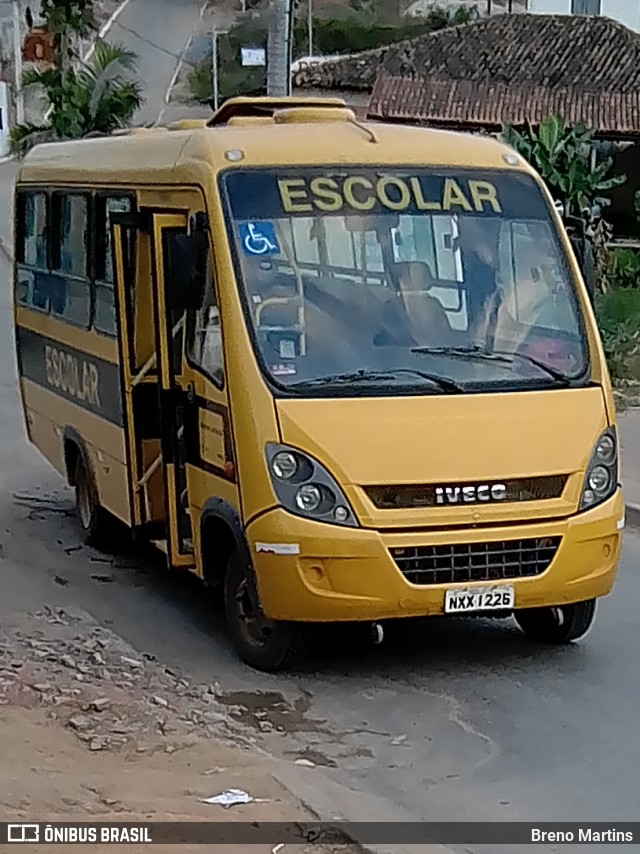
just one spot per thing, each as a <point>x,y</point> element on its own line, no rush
<point>25,137</point>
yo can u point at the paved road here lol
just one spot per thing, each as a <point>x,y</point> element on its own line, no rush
<point>158,31</point>
<point>448,721</point>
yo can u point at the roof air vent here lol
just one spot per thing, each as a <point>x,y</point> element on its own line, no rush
<point>308,115</point>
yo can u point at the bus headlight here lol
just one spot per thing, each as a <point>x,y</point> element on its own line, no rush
<point>305,488</point>
<point>309,498</point>
<point>601,479</point>
<point>284,465</point>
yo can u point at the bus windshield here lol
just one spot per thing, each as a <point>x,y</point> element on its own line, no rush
<point>377,279</point>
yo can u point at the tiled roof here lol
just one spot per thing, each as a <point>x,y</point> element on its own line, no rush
<point>513,67</point>
<point>475,105</point>
<point>565,51</point>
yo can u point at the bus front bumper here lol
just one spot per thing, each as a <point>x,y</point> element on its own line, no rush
<point>310,571</point>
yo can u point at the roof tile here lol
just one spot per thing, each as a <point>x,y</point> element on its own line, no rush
<point>512,68</point>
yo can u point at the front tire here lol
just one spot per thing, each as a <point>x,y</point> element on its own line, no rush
<point>557,625</point>
<point>266,645</point>
<point>92,517</point>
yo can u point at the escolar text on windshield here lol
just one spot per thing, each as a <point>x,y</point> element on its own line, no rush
<point>300,195</point>
<point>307,192</point>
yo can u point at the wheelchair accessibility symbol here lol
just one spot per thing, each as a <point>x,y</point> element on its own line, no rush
<point>258,238</point>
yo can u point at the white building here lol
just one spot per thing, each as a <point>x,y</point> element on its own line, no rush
<point>625,11</point>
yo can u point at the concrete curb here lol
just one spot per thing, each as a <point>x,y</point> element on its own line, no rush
<point>330,801</point>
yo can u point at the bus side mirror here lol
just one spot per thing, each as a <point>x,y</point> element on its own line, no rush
<point>584,254</point>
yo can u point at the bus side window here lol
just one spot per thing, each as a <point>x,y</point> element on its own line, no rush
<point>70,294</point>
<point>204,334</point>
<point>105,304</point>
<point>31,250</point>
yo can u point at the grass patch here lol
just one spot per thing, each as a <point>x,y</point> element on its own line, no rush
<point>618,313</point>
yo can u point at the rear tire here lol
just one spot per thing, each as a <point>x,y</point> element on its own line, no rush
<point>557,625</point>
<point>267,645</point>
<point>93,519</point>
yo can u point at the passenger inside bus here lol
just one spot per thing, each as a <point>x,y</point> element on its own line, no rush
<point>412,317</point>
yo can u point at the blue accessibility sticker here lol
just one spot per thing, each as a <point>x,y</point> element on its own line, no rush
<point>258,238</point>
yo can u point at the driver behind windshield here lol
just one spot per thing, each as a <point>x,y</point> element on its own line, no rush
<point>478,242</point>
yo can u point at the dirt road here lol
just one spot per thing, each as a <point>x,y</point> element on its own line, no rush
<point>92,731</point>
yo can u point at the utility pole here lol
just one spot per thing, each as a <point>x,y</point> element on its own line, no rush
<point>214,68</point>
<point>17,60</point>
<point>279,49</point>
<point>310,26</point>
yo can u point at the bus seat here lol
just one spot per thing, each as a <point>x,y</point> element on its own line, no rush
<point>427,320</point>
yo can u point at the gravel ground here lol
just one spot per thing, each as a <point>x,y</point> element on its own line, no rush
<point>95,685</point>
<point>71,691</point>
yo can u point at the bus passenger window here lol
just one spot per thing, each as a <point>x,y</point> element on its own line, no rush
<point>204,334</point>
<point>70,293</point>
<point>105,305</point>
<point>31,249</point>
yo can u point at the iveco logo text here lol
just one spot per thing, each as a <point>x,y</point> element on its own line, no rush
<point>471,494</point>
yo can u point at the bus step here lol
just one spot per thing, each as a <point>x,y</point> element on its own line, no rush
<point>153,531</point>
<point>161,545</point>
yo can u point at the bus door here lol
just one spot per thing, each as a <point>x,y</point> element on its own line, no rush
<point>154,401</point>
<point>170,322</point>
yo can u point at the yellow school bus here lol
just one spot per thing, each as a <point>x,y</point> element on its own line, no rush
<point>345,371</point>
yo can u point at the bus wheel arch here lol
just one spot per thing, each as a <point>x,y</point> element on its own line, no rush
<point>221,534</point>
<point>264,644</point>
<point>80,475</point>
<point>73,447</point>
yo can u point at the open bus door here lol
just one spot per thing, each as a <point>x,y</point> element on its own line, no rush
<point>154,399</point>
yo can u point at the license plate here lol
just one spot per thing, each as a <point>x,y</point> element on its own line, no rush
<point>461,601</point>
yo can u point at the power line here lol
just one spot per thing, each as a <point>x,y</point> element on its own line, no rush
<point>178,56</point>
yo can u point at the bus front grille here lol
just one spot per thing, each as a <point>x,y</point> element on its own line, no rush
<point>413,496</point>
<point>498,560</point>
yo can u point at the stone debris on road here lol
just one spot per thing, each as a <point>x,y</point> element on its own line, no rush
<point>87,678</point>
<point>71,689</point>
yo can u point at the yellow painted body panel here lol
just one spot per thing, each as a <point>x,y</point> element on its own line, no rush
<point>47,414</point>
<point>346,574</point>
<point>457,439</point>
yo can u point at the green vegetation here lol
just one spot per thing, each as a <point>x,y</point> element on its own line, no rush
<point>618,313</point>
<point>362,28</point>
<point>563,157</point>
<point>84,98</point>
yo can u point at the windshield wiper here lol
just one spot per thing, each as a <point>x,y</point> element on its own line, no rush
<point>363,376</point>
<point>494,356</point>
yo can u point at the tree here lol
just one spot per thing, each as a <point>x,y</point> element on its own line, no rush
<point>84,98</point>
<point>96,99</point>
<point>563,156</point>
<point>366,11</point>
<point>439,17</point>
<point>65,20</point>
<point>360,27</point>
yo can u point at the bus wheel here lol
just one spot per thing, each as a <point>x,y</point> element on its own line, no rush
<point>557,625</point>
<point>268,645</point>
<point>90,513</point>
